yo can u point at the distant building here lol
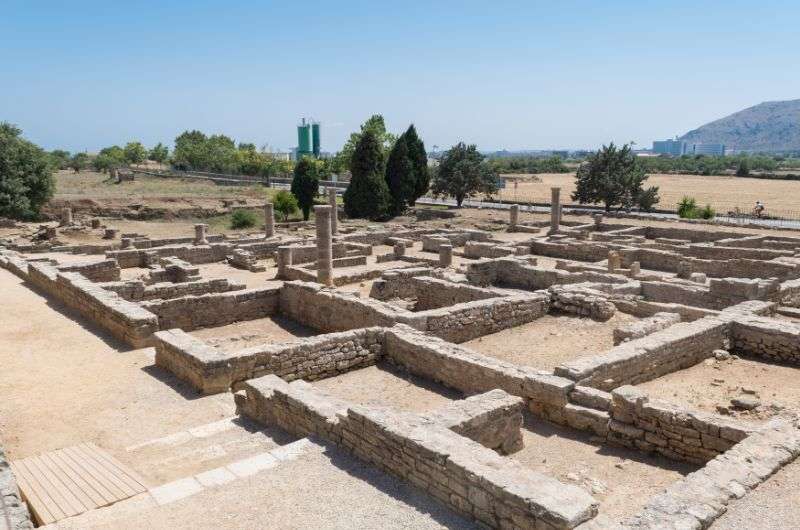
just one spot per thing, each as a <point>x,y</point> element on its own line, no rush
<point>709,149</point>
<point>670,147</point>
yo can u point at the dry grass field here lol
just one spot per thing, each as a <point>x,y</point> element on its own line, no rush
<point>90,184</point>
<point>781,197</point>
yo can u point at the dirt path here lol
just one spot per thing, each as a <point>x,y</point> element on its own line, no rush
<point>64,382</point>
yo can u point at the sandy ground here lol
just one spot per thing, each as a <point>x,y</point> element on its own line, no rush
<point>240,335</point>
<point>551,340</point>
<point>773,505</point>
<point>622,480</point>
<point>323,489</point>
<point>723,192</point>
<point>713,384</point>
<point>385,386</point>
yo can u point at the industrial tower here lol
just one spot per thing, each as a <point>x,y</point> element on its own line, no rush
<point>308,139</point>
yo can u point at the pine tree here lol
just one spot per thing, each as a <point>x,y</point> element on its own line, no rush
<point>400,176</point>
<point>367,196</point>
<point>419,160</point>
<point>614,177</point>
<point>305,185</point>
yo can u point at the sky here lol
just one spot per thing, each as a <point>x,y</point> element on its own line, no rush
<point>83,75</point>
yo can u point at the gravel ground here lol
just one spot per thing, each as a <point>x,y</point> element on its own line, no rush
<point>324,489</point>
<point>551,340</point>
<point>774,505</point>
<point>711,384</point>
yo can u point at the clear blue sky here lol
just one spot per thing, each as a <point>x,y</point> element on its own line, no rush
<point>530,74</point>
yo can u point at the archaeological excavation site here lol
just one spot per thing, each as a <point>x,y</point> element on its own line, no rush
<point>492,369</point>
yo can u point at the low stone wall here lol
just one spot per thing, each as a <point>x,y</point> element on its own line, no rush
<point>434,293</point>
<point>678,434</point>
<point>642,328</point>
<point>327,310</point>
<point>136,290</point>
<point>107,270</point>
<point>210,370</point>
<point>679,346</point>
<point>396,283</point>
<point>581,300</point>
<point>196,255</point>
<point>699,498</point>
<point>469,478</point>
<point>14,513</point>
<point>475,249</point>
<point>471,372</point>
<point>216,309</point>
<point>768,338</point>
<point>493,419</point>
<point>125,320</point>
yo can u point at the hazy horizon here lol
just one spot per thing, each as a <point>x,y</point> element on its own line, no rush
<point>513,75</point>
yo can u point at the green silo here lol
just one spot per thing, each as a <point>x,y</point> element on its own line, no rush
<point>315,142</point>
<point>303,139</point>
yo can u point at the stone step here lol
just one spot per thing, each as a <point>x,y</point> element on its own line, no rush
<point>201,448</point>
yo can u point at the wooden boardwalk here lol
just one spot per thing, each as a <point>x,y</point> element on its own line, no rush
<point>73,480</point>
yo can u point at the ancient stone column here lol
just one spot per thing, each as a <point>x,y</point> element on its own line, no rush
<point>513,217</point>
<point>555,209</point>
<point>334,211</point>
<point>284,261</point>
<point>445,256</point>
<point>200,234</point>
<point>324,245</point>
<point>127,243</point>
<point>614,260</point>
<point>269,220</point>
<point>598,220</point>
<point>66,216</point>
<point>636,268</point>
<point>399,250</point>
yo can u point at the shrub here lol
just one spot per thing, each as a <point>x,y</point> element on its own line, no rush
<point>707,212</point>
<point>26,175</point>
<point>687,208</point>
<point>285,204</point>
<point>243,219</point>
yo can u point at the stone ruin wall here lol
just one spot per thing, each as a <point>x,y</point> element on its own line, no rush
<point>466,476</point>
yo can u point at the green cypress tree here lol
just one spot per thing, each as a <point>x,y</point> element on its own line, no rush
<point>419,160</point>
<point>400,176</point>
<point>367,196</point>
<point>305,185</point>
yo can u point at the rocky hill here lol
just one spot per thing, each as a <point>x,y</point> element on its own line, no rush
<point>769,126</point>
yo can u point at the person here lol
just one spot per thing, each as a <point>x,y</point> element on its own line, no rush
<point>759,209</point>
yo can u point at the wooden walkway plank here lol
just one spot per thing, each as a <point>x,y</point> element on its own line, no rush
<point>66,501</point>
<point>107,495</point>
<point>123,471</point>
<point>74,480</point>
<point>98,473</point>
<point>127,491</point>
<point>46,508</point>
<point>71,481</point>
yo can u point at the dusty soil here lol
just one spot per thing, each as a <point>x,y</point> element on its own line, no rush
<point>551,340</point>
<point>622,480</point>
<point>774,504</point>
<point>386,386</point>
<point>240,335</point>
<point>322,489</point>
<point>723,192</point>
<point>713,384</point>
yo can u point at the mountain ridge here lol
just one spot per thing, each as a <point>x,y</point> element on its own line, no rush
<point>769,126</point>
